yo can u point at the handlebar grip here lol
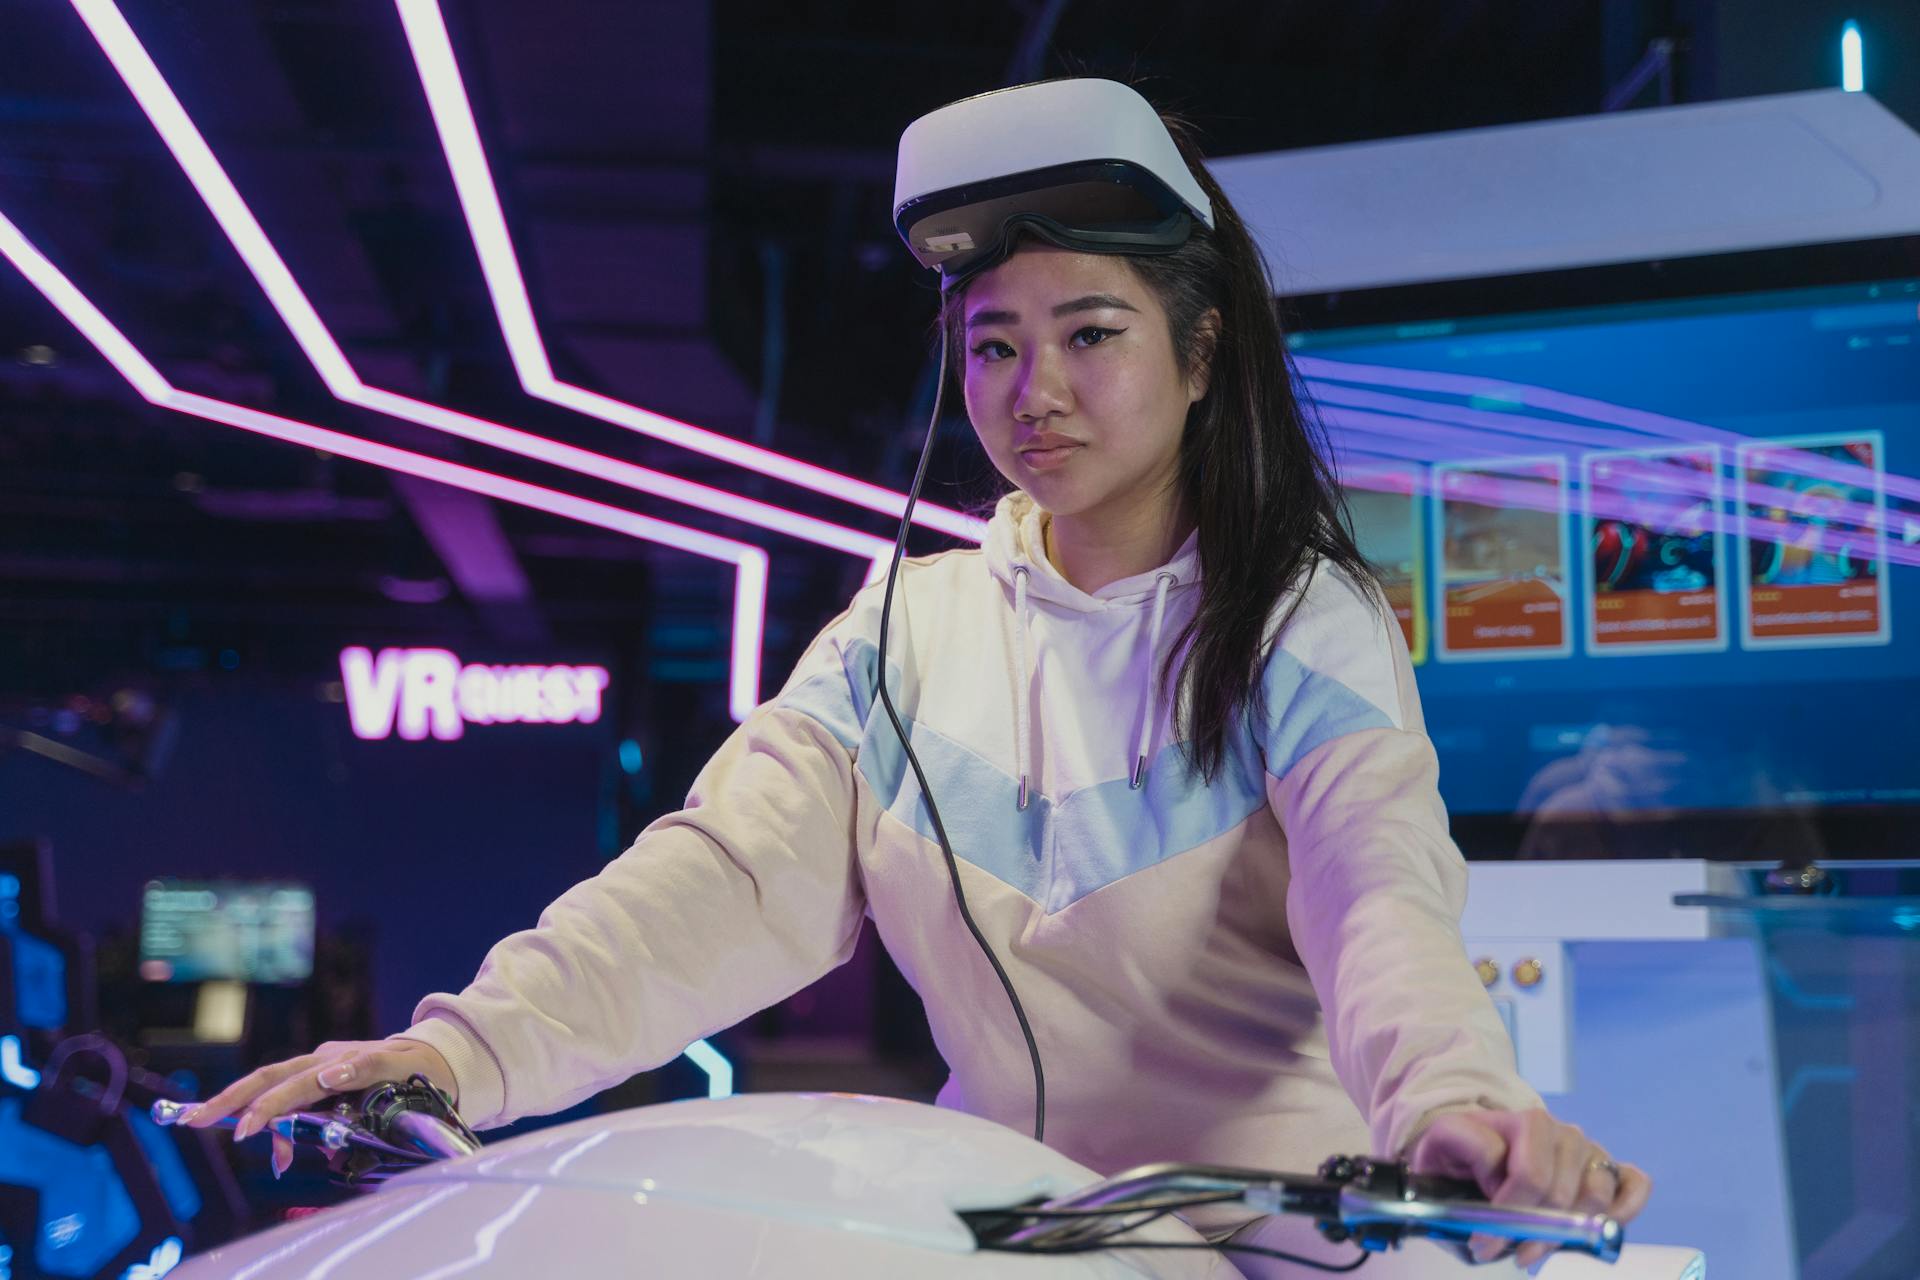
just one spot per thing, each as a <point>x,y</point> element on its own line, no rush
<point>1593,1233</point>
<point>1453,1220</point>
<point>432,1135</point>
<point>1432,1186</point>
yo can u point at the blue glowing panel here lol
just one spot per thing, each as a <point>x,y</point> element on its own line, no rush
<point>169,1166</point>
<point>86,1215</point>
<point>716,1067</point>
<point>40,982</point>
<point>1709,600</point>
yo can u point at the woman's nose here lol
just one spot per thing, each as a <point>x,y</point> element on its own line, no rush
<point>1043,391</point>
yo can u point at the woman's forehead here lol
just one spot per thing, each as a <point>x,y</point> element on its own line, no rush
<point>1041,275</point>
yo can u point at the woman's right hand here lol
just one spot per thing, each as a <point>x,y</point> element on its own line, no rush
<point>339,1066</point>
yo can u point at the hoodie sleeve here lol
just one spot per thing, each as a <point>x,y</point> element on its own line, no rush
<point>1377,885</point>
<point>737,900</point>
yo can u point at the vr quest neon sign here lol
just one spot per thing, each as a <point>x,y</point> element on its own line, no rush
<point>430,692</point>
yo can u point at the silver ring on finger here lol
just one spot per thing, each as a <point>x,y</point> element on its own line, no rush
<point>1601,1163</point>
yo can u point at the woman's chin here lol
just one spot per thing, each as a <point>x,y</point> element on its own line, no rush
<point>1055,498</point>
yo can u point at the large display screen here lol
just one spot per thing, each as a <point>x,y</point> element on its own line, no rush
<point>226,930</point>
<point>1654,552</point>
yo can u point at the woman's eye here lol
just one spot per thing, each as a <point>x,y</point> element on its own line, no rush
<point>992,349</point>
<point>1095,335</point>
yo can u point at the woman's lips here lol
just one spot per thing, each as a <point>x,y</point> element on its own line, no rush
<point>1048,459</point>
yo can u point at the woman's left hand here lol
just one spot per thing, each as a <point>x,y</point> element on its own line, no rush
<point>1527,1159</point>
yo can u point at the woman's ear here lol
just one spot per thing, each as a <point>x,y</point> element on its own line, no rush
<point>1206,340</point>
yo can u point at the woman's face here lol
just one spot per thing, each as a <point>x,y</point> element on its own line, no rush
<point>1072,384</point>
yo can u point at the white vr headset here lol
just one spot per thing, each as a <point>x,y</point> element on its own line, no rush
<point>1085,164</point>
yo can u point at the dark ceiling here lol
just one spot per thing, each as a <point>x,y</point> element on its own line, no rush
<point>700,200</point>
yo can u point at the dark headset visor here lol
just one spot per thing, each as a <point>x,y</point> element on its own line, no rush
<point>1106,206</point>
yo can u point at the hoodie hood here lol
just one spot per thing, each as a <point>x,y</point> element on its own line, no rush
<point>1016,556</point>
<point>1016,540</point>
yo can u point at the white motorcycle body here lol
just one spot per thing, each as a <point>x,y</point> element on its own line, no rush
<point>799,1186</point>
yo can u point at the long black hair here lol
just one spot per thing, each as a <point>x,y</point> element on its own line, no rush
<point>1255,470</point>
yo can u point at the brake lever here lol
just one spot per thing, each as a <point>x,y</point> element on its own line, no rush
<point>351,1133</point>
<point>1379,1203</point>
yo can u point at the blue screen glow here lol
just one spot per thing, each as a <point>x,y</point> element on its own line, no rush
<point>1652,557</point>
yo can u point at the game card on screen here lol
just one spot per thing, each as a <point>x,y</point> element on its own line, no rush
<point>1501,526</point>
<point>1384,502</point>
<point>1656,551</point>
<point>1813,526</point>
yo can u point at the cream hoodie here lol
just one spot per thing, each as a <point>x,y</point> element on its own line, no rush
<point>1260,972</point>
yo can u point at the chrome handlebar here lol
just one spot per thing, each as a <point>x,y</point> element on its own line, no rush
<point>366,1136</point>
<point>1375,1204</point>
<point>1455,1221</point>
<point>435,1136</point>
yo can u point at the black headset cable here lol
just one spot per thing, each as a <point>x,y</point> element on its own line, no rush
<point>926,792</point>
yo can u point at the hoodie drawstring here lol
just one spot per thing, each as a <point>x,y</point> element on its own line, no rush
<point>1023,722</point>
<point>1147,721</point>
<point>1022,726</point>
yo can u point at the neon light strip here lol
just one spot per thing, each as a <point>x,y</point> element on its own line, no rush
<point>714,1063</point>
<point>1525,426</point>
<point>1658,425</point>
<point>749,562</point>
<point>1487,489</point>
<point>1423,441</point>
<point>13,1065</point>
<point>480,201</point>
<point>150,89</point>
<point>1853,73</point>
<point>1360,469</point>
<point>1469,385</point>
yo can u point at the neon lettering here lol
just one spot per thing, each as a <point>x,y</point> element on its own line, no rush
<point>421,693</point>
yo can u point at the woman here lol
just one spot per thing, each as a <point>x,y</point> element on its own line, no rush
<point>1180,752</point>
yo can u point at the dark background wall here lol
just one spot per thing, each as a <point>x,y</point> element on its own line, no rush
<point>440,847</point>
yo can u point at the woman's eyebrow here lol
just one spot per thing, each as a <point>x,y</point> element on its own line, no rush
<point>1091,302</point>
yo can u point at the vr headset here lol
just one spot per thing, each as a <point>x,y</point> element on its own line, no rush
<point>1085,164</point>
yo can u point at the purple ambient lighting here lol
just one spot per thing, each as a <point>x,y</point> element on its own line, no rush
<point>466,156</point>
<point>430,691</point>
<point>1528,427</point>
<point>157,100</point>
<point>1421,440</point>
<point>749,562</point>
<point>1522,494</point>
<point>1656,425</point>
<point>1360,468</point>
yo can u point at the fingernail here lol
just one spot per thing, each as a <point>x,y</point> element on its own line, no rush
<point>244,1129</point>
<point>335,1076</point>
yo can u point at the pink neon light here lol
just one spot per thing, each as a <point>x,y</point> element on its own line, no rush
<point>1573,406</point>
<point>472,177</point>
<point>1529,427</point>
<point>156,98</point>
<point>749,562</point>
<point>422,691</point>
<point>1422,441</point>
